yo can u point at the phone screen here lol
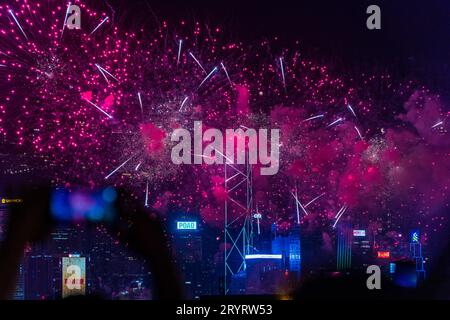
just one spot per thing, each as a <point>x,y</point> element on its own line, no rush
<point>83,205</point>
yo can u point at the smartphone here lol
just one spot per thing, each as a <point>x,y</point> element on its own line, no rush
<point>83,205</point>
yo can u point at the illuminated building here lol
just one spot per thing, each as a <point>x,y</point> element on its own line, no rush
<point>416,253</point>
<point>19,293</point>
<point>73,275</point>
<point>60,240</point>
<point>212,263</point>
<point>344,246</point>
<point>312,258</point>
<point>3,217</point>
<point>361,249</point>
<point>238,284</point>
<point>112,271</point>
<point>289,247</point>
<point>187,244</point>
<point>264,273</point>
<point>42,276</point>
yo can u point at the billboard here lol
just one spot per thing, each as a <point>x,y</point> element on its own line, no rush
<point>8,201</point>
<point>186,225</point>
<point>392,267</point>
<point>359,233</point>
<point>383,254</point>
<point>263,256</point>
<point>73,276</point>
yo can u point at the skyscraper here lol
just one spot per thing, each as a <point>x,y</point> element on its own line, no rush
<point>3,219</point>
<point>362,254</point>
<point>288,245</point>
<point>264,273</point>
<point>295,252</point>
<point>313,258</point>
<point>416,253</point>
<point>344,246</point>
<point>187,244</point>
<point>19,293</point>
<point>42,276</point>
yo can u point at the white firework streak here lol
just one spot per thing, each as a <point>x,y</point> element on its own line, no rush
<point>296,206</point>
<point>99,25</point>
<point>351,109</point>
<point>319,196</point>
<point>182,104</point>
<point>101,69</point>
<point>437,124</point>
<point>201,156</point>
<point>138,166</point>
<point>299,203</point>
<point>140,102</point>
<point>65,19</point>
<point>313,117</point>
<point>198,62</point>
<point>230,162</point>
<point>339,214</point>
<point>282,72</point>
<point>359,132</point>
<point>17,22</point>
<point>226,73</point>
<point>207,77</point>
<point>103,74</point>
<point>334,122</point>
<point>179,51</point>
<point>100,109</point>
<point>340,210</point>
<point>146,195</point>
<point>118,168</point>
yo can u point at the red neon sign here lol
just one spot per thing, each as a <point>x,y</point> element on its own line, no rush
<point>383,254</point>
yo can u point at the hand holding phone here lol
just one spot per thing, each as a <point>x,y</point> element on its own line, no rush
<point>83,205</point>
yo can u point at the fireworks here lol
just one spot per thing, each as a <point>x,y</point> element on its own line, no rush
<point>100,103</point>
